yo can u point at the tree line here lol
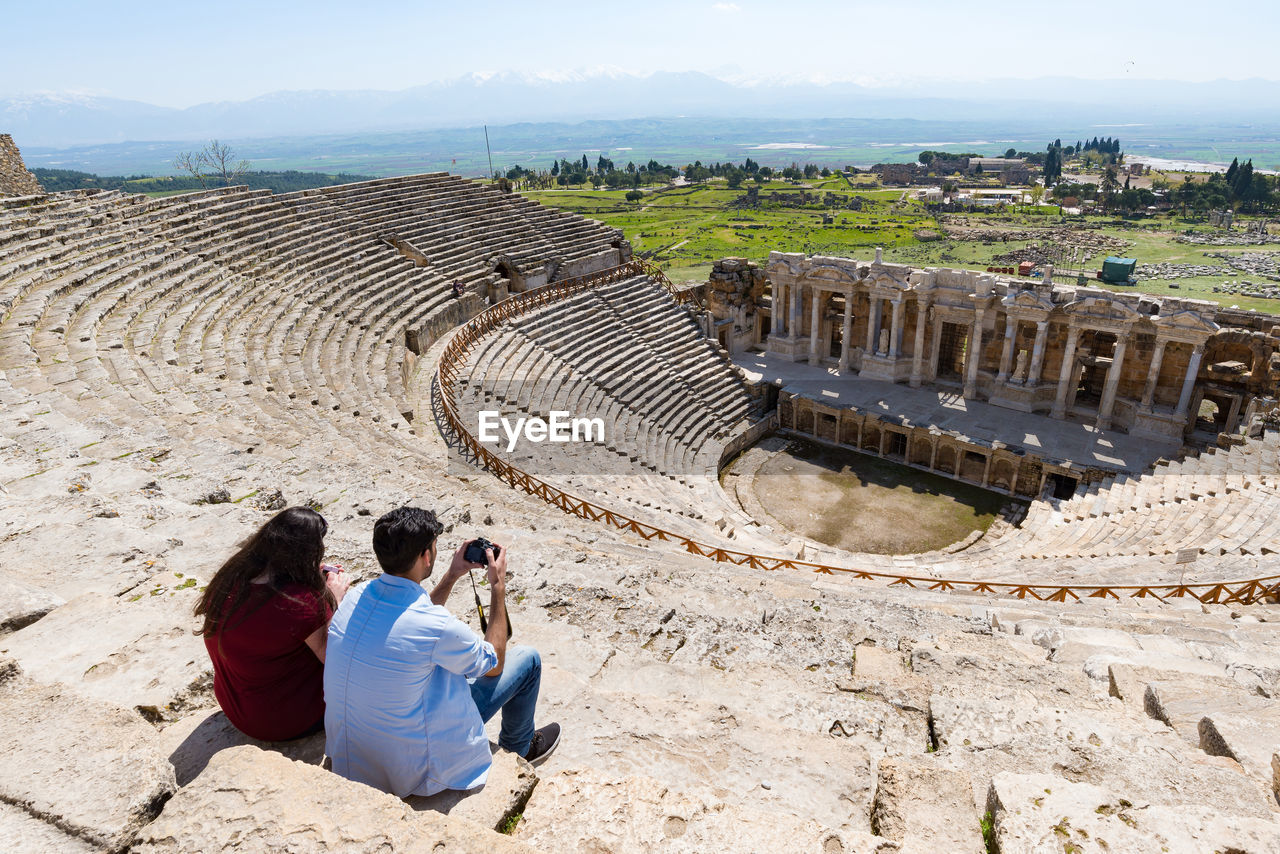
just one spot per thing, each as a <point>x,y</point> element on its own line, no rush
<point>606,173</point>
<point>57,180</point>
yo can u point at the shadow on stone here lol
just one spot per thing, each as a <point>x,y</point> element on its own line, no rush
<point>504,795</point>
<point>195,739</point>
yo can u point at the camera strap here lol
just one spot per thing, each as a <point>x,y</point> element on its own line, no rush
<point>484,623</point>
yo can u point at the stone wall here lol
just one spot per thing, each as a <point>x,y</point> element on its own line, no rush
<point>995,466</point>
<point>15,180</point>
<point>732,292</point>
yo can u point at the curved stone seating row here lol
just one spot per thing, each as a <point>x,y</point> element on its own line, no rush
<point>231,313</point>
<point>461,226</point>
<point>1217,504</point>
<point>626,353</point>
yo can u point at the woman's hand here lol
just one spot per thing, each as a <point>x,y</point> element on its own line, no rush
<point>336,580</point>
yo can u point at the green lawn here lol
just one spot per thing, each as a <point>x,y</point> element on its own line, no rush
<point>685,229</point>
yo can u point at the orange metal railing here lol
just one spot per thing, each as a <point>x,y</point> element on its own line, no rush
<point>454,357</point>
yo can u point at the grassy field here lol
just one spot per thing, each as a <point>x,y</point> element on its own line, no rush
<point>685,229</point>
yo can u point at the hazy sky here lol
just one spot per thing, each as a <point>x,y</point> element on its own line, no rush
<point>178,54</point>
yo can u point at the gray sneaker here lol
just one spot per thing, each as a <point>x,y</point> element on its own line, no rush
<point>544,743</point>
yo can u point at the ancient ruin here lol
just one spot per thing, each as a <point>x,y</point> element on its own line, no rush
<point>15,180</point>
<point>1098,668</point>
<point>1160,371</point>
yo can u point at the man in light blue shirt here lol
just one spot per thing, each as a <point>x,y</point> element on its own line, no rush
<point>408,686</point>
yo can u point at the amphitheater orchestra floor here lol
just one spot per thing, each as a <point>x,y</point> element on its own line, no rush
<point>1078,442</point>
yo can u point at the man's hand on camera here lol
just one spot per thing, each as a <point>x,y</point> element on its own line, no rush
<point>497,569</point>
<point>459,566</point>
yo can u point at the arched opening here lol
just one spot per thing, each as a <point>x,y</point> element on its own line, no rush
<point>871,439</point>
<point>921,451</point>
<point>827,426</point>
<point>1002,474</point>
<point>509,281</point>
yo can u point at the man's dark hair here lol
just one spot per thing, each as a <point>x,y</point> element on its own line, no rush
<point>403,534</point>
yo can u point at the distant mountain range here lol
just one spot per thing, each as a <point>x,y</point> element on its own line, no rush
<point>63,120</point>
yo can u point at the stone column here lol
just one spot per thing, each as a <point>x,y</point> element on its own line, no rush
<point>1006,355</point>
<point>814,323</point>
<point>975,356</point>
<point>1108,402</point>
<point>793,325</point>
<point>846,333</point>
<point>1153,375</point>
<point>780,327</point>
<point>1193,369</point>
<point>917,358</point>
<point>1037,353</point>
<point>1066,375</point>
<point>873,325</point>
<point>895,333</point>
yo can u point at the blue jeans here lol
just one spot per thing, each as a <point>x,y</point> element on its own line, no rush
<point>515,691</point>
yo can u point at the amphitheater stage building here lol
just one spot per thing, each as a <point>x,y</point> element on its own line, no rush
<point>935,413</point>
<point>1003,381</point>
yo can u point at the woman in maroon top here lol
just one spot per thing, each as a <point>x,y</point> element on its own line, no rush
<point>266,617</point>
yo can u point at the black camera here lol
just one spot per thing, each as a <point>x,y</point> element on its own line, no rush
<point>475,551</point>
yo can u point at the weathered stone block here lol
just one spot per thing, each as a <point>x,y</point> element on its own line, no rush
<point>192,741</point>
<point>254,800</point>
<point>1044,813</point>
<point>925,807</point>
<point>22,604</point>
<point>503,796</point>
<point>91,769</point>
<point>134,652</point>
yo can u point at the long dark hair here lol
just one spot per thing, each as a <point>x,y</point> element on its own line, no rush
<point>288,549</point>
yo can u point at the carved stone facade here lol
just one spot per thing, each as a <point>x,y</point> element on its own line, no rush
<point>15,180</point>
<point>1128,362</point>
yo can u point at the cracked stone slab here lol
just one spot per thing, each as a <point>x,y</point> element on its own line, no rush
<point>1044,814</point>
<point>253,800</point>
<point>135,652</point>
<point>195,739</point>
<point>93,770</point>
<point>925,806</point>
<point>510,783</point>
